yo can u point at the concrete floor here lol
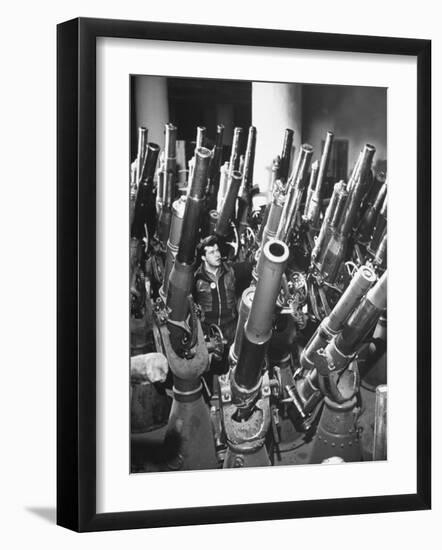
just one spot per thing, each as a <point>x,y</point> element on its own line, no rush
<point>148,455</point>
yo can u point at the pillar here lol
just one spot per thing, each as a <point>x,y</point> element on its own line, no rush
<point>275,107</point>
<point>151,106</point>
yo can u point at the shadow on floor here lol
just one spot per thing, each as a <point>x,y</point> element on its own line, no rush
<point>48,514</point>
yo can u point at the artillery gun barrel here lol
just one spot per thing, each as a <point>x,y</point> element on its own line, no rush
<point>213,219</point>
<point>274,173</point>
<point>170,148</point>
<point>379,228</point>
<point>352,178</point>
<point>244,194</point>
<point>332,324</point>
<point>309,205</point>
<point>141,151</point>
<point>223,183</point>
<point>380,424</point>
<point>274,215</point>
<point>323,165</point>
<point>316,197</point>
<point>181,277</point>
<point>168,190</point>
<point>228,208</point>
<point>339,350</point>
<point>339,211</point>
<point>258,328</point>
<point>217,152</point>
<point>214,168</point>
<point>194,207</point>
<point>150,162</point>
<point>325,231</point>
<point>295,189</point>
<point>380,259</point>
<point>235,154</point>
<point>133,191</point>
<point>165,216</point>
<point>145,212</point>
<point>244,310</point>
<point>366,226</point>
<point>363,318</point>
<point>284,164</point>
<point>200,136</point>
<point>173,242</point>
<point>363,279</point>
<point>249,160</point>
<point>356,188</point>
<point>379,178</point>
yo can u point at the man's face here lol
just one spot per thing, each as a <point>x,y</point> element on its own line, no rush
<point>212,256</point>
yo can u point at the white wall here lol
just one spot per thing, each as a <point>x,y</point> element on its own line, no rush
<point>275,107</point>
<point>155,111</point>
<point>355,113</point>
<point>27,401</point>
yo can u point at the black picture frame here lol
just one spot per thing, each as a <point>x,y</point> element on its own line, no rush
<point>76,273</point>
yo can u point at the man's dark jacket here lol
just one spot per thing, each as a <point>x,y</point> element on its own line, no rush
<point>217,295</point>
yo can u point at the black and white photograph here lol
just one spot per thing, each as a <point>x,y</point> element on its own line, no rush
<point>258,274</point>
<point>200,279</point>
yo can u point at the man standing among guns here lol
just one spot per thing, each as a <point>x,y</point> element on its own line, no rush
<point>218,285</point>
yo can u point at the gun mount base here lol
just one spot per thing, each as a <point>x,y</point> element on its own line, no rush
<point>245,438</point>
<point>189,439</point>
<point>337,433</point>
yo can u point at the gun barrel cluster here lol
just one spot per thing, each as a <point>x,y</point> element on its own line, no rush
<point>297,285</point>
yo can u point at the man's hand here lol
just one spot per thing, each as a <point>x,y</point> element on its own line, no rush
<point>151,367</point>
